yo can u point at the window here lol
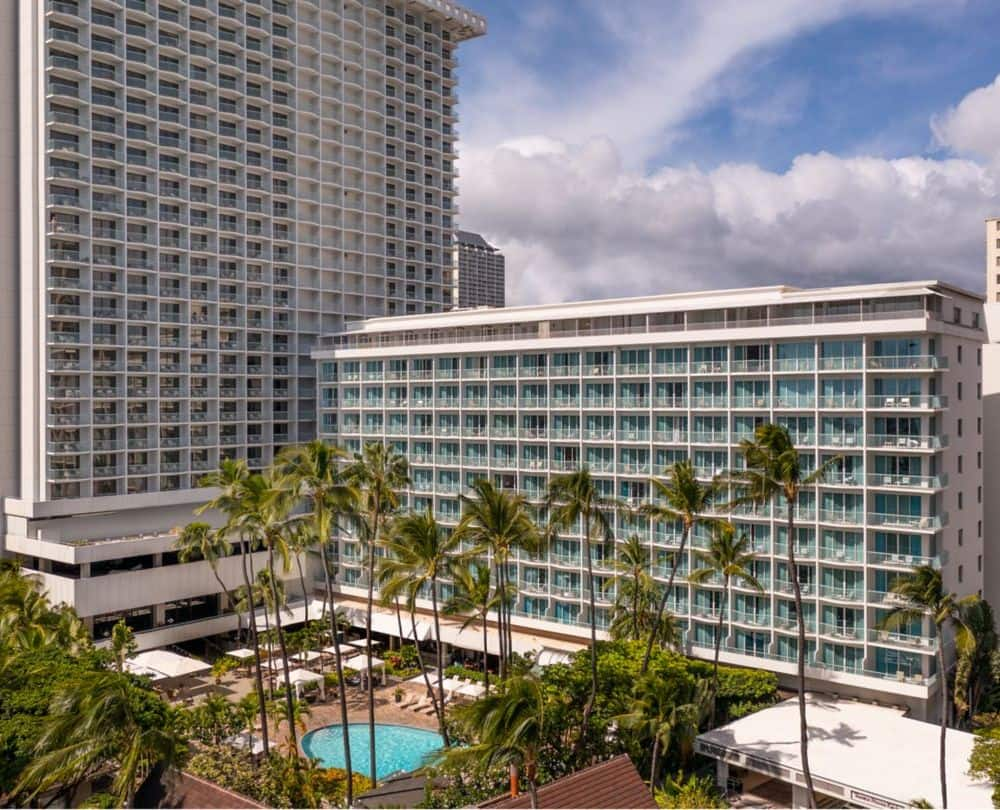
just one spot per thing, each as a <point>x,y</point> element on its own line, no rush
<point>959,462</point>
<point>958,392</point>
<point>959,353</point>
<point>961,500</point>
<point>960,573</point>
<point>956,315</point>
<point>961,536</point>
<point>979,563</point>
<point>959,430</point>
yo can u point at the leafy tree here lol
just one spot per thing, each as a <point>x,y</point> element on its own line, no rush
<point>123,643</point>
<point>419,551</point>
<point>97,719</point>
<point>378,474</point>
<point>499,523</point>
<point>230,480</point>
<point>266,515</point>
<point>774,475</point>
<point>508,728</point>
<point>575,498</point>
<point>474,598</point>
<point>682,497</point>
<point>978,658</point>
<point>314,470</point>
<point>922,590</point>
<point>984,762</point>
<point>728,557</point>
<point>199,541</point>
<point>664,714</point>
<point>690,793</point>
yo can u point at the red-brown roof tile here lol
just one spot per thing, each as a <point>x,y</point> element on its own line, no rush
<point>612,785</point>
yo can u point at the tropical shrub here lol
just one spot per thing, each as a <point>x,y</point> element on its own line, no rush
<point>692,792</point>
<point>277,781</point>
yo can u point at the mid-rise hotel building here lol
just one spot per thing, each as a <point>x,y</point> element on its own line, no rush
<point>192,192</point>
<point>885,377</point>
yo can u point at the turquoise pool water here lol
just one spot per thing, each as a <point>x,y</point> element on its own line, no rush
<point>397,748</point>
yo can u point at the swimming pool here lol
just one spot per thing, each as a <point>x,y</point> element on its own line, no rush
<point>397,748</point>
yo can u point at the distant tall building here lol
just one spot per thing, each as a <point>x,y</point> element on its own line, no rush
<point>993,260</point>
<point>480,272</point>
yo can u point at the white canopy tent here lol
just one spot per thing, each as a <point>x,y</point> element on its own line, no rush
<point>346,650</point>
<point>307,656</point>
<point>242,654</point>
<point>161,665</point>
<point>547,656</point>
<point>300,677</point>
<point>360,664</point>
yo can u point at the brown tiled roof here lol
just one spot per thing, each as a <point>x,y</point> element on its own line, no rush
<point>612,784</point>
<point>180,790</point>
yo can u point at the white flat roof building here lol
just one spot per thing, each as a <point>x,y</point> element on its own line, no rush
<point>885,376</point>
<point>863,755</point>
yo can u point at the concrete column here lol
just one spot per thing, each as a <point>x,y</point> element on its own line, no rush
<point>159,615</point>
<point>721,774</point>
<point>800,796</point>
<point>84,570</point>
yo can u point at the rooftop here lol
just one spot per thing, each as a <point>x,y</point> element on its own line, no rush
<point>474,240</point>
<point>612,784</point>
<point>866,754</point>
<point>675,312</point>
<point>464,23</point>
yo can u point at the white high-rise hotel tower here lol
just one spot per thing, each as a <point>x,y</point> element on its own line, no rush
<point>191,191</point>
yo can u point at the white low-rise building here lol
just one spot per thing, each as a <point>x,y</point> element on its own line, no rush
<point>884,376</point>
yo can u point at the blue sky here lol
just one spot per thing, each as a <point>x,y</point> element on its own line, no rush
<point>690,144</point>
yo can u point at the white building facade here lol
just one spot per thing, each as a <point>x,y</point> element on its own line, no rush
<point>194,192</point>
<point>886,377</point>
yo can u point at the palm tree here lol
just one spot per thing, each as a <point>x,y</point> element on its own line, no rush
<point>509,727</point>
<point>96,719</point>
<point>574,498</point>
<point>682,497</point>
<point>474,598</point>
<point>636,596</point>
<point>230,480</point>
<point>662,713</point>
<point>267,503</point>
<point>499,523</point>
<point>377,473</point>
<point>728,556</point>
<point>27,618</point>
<point>298,711</point>
<point>924,593</point>
<point>122,643</point>
<point>774,471</point>
<point>974,669</point>
<point>418,551</point>
<point>314,470</point>
<point>247,712</point>
<point>199,541</point>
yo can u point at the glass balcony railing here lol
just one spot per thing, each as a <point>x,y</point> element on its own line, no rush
<point>906,442</point>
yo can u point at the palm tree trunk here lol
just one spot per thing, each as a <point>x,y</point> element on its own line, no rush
<point>486,652</point>
<point>289,701</point>
<point>305,595</point>
<point>944,716</point>
<point>793,570</point>
<point>255,641</point>
<point>718,644</point>
<point>341,686</point>
<point>501,639</point>
<point>368,648</point>
<point>399,622</point>
<point>588,708</point>
<point>654,762</point>
<point>438,710</point>
<point>654,631</point>
<point>439,655</point>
